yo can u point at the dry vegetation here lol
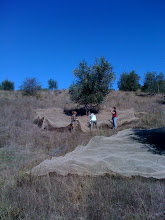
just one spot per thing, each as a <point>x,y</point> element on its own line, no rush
<point>23,145</point>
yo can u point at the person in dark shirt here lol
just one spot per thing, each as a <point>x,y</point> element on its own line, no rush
<point>114,117</point>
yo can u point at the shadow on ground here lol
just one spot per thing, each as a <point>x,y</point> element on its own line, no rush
<point>154,137</point>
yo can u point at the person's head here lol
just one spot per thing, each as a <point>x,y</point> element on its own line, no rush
<point>114,108</point>
<point>74,112</point>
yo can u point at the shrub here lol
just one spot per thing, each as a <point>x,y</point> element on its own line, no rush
<point>30,86</point>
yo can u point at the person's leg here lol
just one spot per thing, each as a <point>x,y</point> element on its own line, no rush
<point>73,128</point>
<point>115,122</point>
<point>96,124</point>
<point>91,125</point>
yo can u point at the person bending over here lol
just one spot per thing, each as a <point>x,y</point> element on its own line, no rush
<point>93,121</point>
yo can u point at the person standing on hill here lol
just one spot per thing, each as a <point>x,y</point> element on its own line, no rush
<point>114,117</point>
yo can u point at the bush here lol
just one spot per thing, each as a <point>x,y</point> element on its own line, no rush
<point>52,84</point>
<point>7,85</point>
<point>129,81</point>
<point>92,82</point>
<point>30,86</point>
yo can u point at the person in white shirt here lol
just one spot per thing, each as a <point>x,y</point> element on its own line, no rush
<point>93,120</point>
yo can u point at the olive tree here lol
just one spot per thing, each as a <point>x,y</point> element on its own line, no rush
<point>52,84</point>
<point>30,86</point>
<point>129,81</point>
<point>92,83</point>
<point>154,82</point>
<point>7,85</point>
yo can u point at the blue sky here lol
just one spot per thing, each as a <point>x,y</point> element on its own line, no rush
<point>48,38</point>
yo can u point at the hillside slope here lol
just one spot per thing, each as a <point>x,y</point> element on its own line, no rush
<point>24,145</point>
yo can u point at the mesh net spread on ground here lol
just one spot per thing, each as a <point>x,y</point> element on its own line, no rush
<point>120,153</point>
<point>55,118</point>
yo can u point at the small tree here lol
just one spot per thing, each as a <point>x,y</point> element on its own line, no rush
<point>129,81</point>
<point>92,83</point>
<point>7,85</point>
<point>52,84</point>
<point>160,79</point>
<point>30,86</point>
<point>154,82</point>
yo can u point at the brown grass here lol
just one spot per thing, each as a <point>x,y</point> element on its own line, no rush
<point>23,145</point>
<point>75,197</point>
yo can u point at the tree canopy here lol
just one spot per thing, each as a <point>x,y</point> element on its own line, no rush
<point>52,84</point>
<point>92,83</point>
<point>154,82</point>
<point>30,86</point>
<point>129,81</point>
<point>7,85</point>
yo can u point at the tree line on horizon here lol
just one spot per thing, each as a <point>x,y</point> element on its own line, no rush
<point>29,86</point>
<point>92,83</point>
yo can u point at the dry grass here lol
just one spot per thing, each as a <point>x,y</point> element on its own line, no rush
<point>126,100</point>
<point>23,145</point>
<point>73,197</point>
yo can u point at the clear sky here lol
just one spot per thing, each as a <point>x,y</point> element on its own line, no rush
<point>48,38</point>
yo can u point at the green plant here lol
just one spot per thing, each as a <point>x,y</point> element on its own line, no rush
<point>154,82</point>
<point>7,85</point>
<point>92,82</point>
<point>52,84</point>
<point>129,81</point>
<point>30,86</point>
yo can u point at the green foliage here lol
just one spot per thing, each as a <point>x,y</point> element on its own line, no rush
<point>30,86</point>
<point>129,81</point>
<point>52,84</point>
<point>92,83</point>
<point>154,82</point>
<point>7,85</point>
<point>160,79</point>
